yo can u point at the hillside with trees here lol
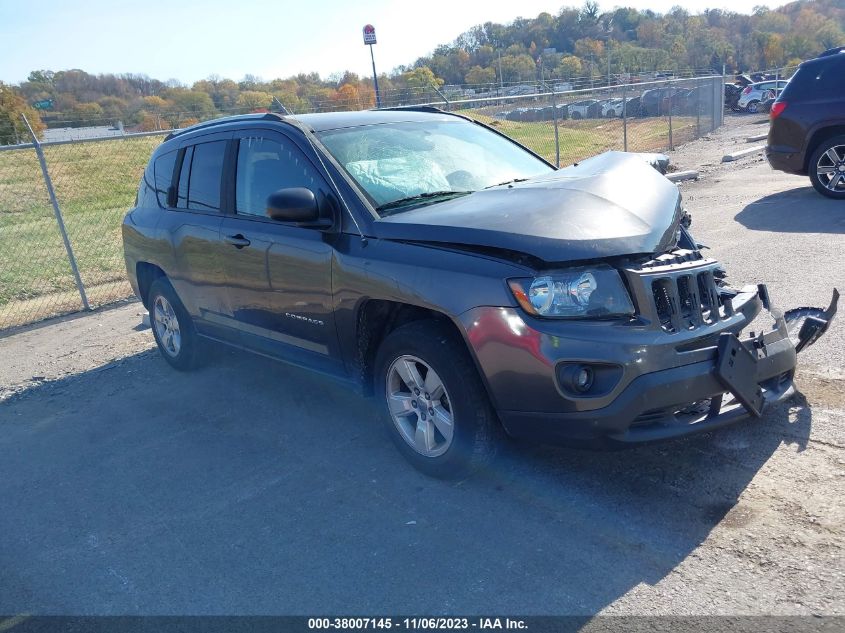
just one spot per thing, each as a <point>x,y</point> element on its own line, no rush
<point>575,46</point>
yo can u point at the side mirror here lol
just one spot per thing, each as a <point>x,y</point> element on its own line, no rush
<point>294,204</point>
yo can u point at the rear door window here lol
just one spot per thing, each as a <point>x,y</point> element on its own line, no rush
<point>200,176</point>
<point>206,173</point>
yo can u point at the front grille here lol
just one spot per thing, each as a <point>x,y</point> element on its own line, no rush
<point>686,300</point>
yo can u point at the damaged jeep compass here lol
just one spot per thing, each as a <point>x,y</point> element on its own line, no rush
<point>469,285</point>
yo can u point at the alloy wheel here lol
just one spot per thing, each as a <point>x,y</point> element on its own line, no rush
<point>419,406</point>
<point>831,168</point>
<point>166,324</point>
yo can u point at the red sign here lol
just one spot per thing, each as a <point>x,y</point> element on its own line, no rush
<point>369,34</point>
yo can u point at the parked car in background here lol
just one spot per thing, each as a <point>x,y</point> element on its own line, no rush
<point>562,111</point>
<point>613,108</point>
<point>653,102</point>
<point>675,102</point>
<point>807,129</point>
<point>466,283</point>
<point>632,108</point>
<point>517,114</point>
<point>581,109</point>
<point>732,94</point>
<point>767,102</point>
<point>595,110</point>
<point>699,100</point>
<point>609,108</point>
<point>753,94</point>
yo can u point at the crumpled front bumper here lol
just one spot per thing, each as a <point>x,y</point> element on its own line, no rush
<point>667,386</point>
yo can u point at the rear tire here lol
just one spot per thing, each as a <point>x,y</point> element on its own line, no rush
<point>826,172</point>
<point>436,409</point>
<point>172,326</point>
<point>751,108</point>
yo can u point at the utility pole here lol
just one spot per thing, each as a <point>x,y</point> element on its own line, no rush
<point>369,40</point>
<point>501,78</point>
<point>608,61</point>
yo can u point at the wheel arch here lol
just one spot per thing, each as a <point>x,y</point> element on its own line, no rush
<point>146,273</point>
<point>818,137</point>
<point>377,318</point>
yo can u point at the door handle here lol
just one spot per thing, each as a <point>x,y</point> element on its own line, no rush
<point>238,241</point>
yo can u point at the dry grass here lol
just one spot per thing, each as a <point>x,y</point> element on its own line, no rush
<point>95,184</point>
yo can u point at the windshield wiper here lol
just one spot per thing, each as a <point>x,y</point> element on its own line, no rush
<point>507,182</point>
<point>401,202</point>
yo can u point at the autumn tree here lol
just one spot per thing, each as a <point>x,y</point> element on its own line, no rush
<point>13,130</point>
<point>478,75</point>
<point>254,100</point>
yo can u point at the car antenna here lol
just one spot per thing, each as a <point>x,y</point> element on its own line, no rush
<point>281,109</point>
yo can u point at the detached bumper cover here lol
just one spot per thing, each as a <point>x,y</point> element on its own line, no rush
<point>670,386</point>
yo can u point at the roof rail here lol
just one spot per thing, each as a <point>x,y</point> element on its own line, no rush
<point>264,116</point>
<point>832,51</point>
<point>416,108</point>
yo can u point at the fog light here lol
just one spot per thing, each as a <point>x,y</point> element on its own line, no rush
<point>577,378</point>
<point>584,379</point>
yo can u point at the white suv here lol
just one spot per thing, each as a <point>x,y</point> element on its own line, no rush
<point>753,94</point>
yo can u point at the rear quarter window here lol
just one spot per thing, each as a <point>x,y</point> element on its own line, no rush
<point>164,166</point>
<point>818,80</point>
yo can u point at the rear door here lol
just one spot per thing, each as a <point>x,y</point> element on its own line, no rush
<point>279,275</point>
<point>192,226</point>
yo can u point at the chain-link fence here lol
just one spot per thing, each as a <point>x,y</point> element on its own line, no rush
<point>45,241</point>
<point>569,126</point>
<point>94,184</point>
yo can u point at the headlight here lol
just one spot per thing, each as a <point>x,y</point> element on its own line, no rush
<point>578,292</point>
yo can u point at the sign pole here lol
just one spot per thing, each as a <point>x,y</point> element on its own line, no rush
<point>375,77</point>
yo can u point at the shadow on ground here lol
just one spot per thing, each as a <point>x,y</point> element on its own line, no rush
<point>253,487</point>
<point>800,210</point>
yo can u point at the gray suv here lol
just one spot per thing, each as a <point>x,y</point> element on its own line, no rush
<point>471,286</point>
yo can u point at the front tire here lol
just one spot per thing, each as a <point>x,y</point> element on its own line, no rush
<point>172,326</point>
<point>436,408</point>
<point>827,168</point>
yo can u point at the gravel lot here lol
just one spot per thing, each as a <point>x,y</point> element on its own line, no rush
<point>253,487</point>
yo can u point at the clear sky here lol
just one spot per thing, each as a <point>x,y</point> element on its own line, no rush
<point>189,40</point>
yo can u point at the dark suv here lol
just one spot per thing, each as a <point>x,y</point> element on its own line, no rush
<point>807,131</point>
<point>467,283</point>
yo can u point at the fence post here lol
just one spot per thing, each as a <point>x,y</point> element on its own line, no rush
<point>698,91</point>
<point>624,117</point>
<point>58,213</point>
<point>557,137</point>
<point>671,101</point>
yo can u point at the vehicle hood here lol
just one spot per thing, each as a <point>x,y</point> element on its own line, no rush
<point>610,205</point>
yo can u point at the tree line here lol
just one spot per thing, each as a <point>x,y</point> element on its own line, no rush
<point>576,44</point>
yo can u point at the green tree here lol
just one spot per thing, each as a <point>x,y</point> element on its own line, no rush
<point>478,75</point>
<point>86,114</point>
<point>518,68</point>
<point>421,77</point>
<point>193,104</point>
<point>254,100</point>
<point>569,67</point>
